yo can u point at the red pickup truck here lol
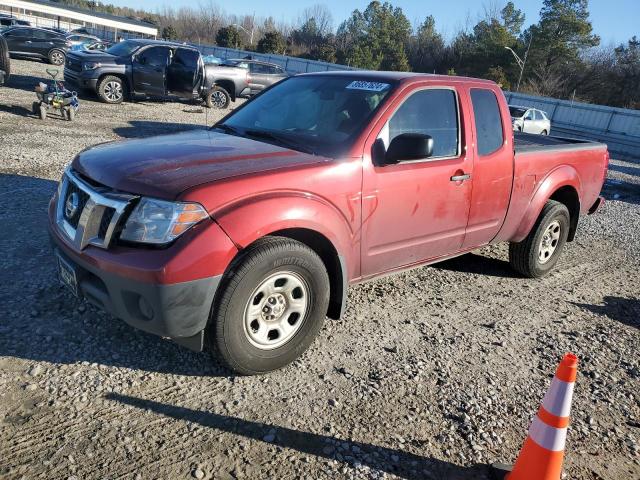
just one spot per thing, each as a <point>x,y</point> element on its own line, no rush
<point>246,235</point>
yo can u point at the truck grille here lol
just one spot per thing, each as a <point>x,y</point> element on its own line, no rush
<point>89,214</point>
<point>74,65</point>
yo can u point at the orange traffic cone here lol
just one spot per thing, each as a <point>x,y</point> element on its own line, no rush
<point>543,450</point>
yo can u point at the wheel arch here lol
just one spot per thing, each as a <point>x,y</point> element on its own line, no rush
<point>228,85</point>
<point>333,262</point>
<point>562,185</point>
<point>121,76</point>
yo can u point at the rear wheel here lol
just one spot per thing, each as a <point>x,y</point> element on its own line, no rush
<point>57,57</point>
<point>272,304</point>
<point>538,253</point>
<point>111,89</point>
<point>218,97</point>
<point>544,132</point>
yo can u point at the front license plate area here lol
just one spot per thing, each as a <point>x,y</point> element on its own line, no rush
<point>67,275</point>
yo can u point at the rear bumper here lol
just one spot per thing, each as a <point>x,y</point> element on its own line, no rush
<point>596,206</point>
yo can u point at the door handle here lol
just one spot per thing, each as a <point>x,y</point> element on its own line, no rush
<point>461,178</point>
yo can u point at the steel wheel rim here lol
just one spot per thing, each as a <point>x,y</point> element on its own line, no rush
<point>57,58</point>
<point>276,310</point>
<point>218,99</point>
<point>549,242</point>
<point>113,91</point>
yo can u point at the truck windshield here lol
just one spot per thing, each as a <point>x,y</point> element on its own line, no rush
<point>517,112</point>
<point>318,114</point>
<point>122,49</point>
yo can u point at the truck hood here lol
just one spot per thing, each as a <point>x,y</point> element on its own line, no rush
<point>91,56</point>
<point>167,165</point>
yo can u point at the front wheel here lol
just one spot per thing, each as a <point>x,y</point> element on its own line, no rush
<point>111,89</point>
<point>538,253</point>
<point>57,57</point>
<point>272,304</point>
<point>218,97</point>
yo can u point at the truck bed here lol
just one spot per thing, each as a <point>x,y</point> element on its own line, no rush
<point>527,142</point>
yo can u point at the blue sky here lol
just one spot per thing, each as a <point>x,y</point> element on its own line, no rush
<point>614,20</point>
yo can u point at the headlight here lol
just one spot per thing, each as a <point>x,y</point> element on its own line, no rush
<point>158,222</point>
<point>91,65</point>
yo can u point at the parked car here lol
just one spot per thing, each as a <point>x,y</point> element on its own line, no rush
<point>5,61</point>
<point>11,21</point>
<point>79,40</point>
<point>246,235</point>
<point>529,120</point>
<point>153,68</point>
<point>39,43</point>
<point>261,74</point>
<point>100,45</point>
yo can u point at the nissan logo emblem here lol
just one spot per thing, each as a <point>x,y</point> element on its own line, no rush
<point>71,205</point>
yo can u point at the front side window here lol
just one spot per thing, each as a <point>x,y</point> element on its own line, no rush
<point>486,112</point>
<point>155,57</point>
<point>323,114</point>
<point>431,112</point>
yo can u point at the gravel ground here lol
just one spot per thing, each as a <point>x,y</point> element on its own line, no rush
<point>431,374</point>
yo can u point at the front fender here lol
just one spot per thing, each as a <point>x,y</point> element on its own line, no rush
<point>562,176</point>
<point>249,219</point>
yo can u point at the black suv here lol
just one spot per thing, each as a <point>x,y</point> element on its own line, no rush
<point>39,43</point>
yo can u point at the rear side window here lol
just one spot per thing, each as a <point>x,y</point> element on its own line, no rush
<point>488,121</point>
<point>431,112</point>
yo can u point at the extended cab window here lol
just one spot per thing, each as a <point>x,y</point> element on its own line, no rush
<point>432,112</point>
<point>488,121</point>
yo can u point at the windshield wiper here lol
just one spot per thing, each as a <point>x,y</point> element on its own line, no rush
<point>279,140</point>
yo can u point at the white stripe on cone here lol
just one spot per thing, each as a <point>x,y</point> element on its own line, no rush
<point>547,437</point>
<point>557,400</point>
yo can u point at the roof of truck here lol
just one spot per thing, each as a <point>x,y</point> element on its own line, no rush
<point>384,76</point>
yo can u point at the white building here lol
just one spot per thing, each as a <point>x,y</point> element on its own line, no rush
<point>42,13</point>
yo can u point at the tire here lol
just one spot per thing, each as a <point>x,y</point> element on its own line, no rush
<point>272,269</point>
<point>43,112</point>
<point>544,132</point>
<point>533,258</point>
<point>111,89</point>
<point>57,57</point>
<point>218,97</point>
<point>5,60</point>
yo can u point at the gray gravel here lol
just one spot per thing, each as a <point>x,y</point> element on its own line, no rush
<point>431,374</point>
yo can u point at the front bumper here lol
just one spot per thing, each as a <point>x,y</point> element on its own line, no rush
<point>79,80</point>
<point>167,292</point>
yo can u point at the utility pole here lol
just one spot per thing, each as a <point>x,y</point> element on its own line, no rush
<point>521,63</point>
<point>250,33</point>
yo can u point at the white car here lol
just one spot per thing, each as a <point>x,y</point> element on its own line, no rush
<point>529,120</point>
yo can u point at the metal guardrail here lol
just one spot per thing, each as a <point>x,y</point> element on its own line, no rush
<point>619,128</point>
<point>290,64</point>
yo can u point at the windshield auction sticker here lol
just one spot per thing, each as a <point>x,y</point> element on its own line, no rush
<point>370,86</point>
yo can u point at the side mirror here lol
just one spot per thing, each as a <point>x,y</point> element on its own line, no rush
<point>409,146</point>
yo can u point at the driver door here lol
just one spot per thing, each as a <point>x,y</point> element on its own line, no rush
<point>150,71</point>
<point>417,210</point>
